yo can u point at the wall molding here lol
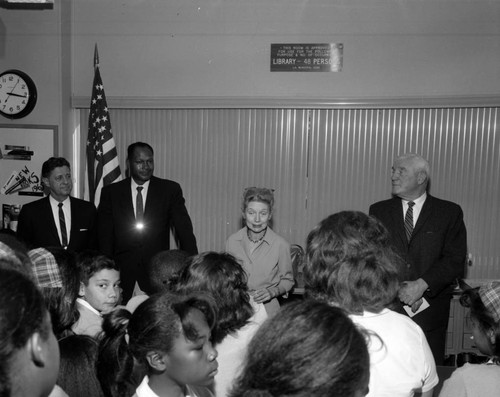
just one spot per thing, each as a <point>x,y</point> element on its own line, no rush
<point>80,102</point>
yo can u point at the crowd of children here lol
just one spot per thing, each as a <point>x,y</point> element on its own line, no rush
<point>64,330</point>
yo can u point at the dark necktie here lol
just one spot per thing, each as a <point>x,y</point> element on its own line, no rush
<point>62,223</point>
<point>139,207</point>
<point>409,220</point>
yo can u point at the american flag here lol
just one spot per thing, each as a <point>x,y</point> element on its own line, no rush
<point>103,167</point>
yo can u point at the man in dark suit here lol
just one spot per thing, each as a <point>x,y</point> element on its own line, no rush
<point>58,219</point>
<point>430,235</point>
<point>135,217</point>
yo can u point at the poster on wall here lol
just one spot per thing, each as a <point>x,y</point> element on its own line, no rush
<point>23,149</point>
<point>320,57</point>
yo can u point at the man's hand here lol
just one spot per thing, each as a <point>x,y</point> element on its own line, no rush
<point>412,291</point>
<point>262,295</point>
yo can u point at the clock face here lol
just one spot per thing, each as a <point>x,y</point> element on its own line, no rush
<point>17,94</point>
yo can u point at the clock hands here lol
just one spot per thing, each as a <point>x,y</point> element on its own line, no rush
<point>21,96</point>
<point>12,92</point>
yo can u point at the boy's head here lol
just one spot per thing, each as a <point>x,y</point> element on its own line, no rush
<point>99,281</point>
<point>164,269</point>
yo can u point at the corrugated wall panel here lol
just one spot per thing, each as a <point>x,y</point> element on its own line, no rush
<point>214,154</point>
<point>320,162</point>
<point>352,153</point>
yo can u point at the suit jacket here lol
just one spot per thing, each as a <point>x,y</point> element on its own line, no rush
<point>164,207</point>
<point>436,251</point>
<point>37,227</point>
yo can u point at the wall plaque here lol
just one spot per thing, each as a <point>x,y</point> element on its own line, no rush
<point>306,57</point>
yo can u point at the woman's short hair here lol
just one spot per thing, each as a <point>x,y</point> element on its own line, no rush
<point>487,314</point>
<point>220,275</point>
<point>77,369</point>
<point>350,263</point>
<point>259,194</point>
<point>22,313</point>
<point>308,348</point>
<point>155,324</point>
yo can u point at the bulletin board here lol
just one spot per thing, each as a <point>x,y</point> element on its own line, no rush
<point>23,150</point>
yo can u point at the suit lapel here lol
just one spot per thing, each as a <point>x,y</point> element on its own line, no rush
<point>153,198</point>
<point>49,220</point>
<point>126,193</point>
<point>398,221</point>
<point>424,215</point>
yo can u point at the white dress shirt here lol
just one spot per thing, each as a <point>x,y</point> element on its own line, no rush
<point>54,204</point>
<point>144,192</point>
<point>417,208</point>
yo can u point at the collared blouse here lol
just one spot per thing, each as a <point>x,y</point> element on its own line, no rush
<point>268,265</point>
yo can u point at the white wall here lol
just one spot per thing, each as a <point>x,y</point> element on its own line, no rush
<point>208,48</point>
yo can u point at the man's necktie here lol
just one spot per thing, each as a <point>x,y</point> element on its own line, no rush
<point>139,207</point>
<point>62,223</point>
<point>409,220</point>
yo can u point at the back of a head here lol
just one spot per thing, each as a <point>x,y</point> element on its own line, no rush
<point>57,277</point>
<point>77,372</point>
<point>220,275</point>
<point>164,268</point>
<point>22,313</point>
<point>351,264</point>
<point>16,253</point>
<point>308,349</point>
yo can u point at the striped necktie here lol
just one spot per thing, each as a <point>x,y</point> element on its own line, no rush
<point>409,220</point>
<point>62,223</point>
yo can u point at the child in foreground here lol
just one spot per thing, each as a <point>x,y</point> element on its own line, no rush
<point>308,348</point>
<point>99,292</point>
<point>168,337</point>
<point>480,379</point>
<point>29,354</point>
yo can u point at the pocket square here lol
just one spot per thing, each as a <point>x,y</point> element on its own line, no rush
<point>84,230</point>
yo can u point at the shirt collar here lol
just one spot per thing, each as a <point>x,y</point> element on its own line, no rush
<point>84,303</point>
<point>145,185</point>
<point>54,202</point>
<point>418,201</point>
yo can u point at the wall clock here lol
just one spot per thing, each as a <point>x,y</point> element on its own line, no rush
<point>17,94</point>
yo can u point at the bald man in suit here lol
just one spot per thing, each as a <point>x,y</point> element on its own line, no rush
<point>435,251</point>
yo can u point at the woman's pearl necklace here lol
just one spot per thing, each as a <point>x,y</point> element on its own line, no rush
<point>259,239</point>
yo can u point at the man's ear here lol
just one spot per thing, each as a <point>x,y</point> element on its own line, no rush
<point>37,350</point>
<point>421,177</point>
<point>157,361</point>
<point>45,182</point>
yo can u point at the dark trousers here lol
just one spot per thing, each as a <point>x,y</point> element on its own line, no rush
<point>437,342</point>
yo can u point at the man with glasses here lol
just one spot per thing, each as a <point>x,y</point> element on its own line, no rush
<point>135,217</point>
<point>58,219</point>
